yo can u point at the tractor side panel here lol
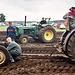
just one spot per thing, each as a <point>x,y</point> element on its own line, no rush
<point>29,32</point>
<point>19,31</point>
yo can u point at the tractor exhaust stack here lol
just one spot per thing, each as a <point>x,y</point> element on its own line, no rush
<point>25,21</point>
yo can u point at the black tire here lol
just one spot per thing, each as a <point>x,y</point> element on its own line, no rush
<point>4,56</point>
<point>64,36</point>
<point>24,39</point>
<point>47,34</point>
<point>69,45</point>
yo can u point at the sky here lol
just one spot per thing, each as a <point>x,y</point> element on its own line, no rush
<point>16,10</point>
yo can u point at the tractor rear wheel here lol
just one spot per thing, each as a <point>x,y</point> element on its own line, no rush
<point>47,34</point>
<point>4,56</point>
<point>24,39</point>
<point>69,46</point>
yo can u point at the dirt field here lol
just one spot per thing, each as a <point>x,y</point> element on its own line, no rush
<point>36,65</point>
<point>39,60</point>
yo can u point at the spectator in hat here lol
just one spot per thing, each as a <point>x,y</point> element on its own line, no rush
<point>14,50</point>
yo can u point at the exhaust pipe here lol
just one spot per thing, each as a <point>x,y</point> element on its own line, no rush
<point>25,21</point>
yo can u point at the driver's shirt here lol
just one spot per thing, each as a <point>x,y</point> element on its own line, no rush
<point>11,32</point>
<point>43,22</point>
<point>72,21</point>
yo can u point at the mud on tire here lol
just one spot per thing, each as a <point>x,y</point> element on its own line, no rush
<point>47,34</point>
<point>4,56</point>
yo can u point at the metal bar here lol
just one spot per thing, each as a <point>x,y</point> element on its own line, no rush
<point>25,20</point>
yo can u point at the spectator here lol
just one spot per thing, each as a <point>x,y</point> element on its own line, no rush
<point>14,50</point>
<point>11,31</point>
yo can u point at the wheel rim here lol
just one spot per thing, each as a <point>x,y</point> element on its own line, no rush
<point>48,35</point>
<point>2,57</point>
<point>24,40</point>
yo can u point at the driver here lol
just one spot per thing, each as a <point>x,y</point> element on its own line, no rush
<point>43,21</point>
<point>71,16</point>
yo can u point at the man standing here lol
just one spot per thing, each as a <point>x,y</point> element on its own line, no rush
<point>11,31</point>
<point>14,50</point>
<point>71,16</point>
<point>43,21</point>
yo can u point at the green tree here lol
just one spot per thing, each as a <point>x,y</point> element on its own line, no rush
<point>2,17</point>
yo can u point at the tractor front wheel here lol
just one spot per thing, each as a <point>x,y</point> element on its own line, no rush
<point>24,39</point>
<point>4,56</point>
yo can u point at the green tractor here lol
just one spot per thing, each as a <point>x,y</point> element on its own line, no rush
<point>45,33</point>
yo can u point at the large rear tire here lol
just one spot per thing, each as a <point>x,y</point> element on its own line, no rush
<point>4,56</point>
<point>69,45</point>
<point>47,34</point>
<point>64,36</point>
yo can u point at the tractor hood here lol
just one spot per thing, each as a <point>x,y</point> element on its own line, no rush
<point>26,27</point>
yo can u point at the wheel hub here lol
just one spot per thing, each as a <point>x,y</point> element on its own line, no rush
<point>24,40</point>
<point>2,57</point>
<point>48,35</point>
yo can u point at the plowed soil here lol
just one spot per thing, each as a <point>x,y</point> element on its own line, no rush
<point>36,65</point>
<point>42,63</point>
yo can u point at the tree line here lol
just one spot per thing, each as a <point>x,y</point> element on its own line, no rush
<point>2,17</point>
